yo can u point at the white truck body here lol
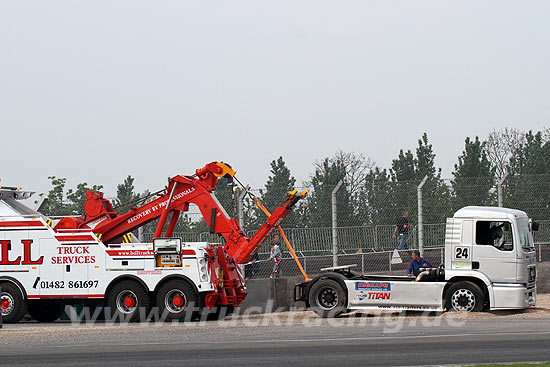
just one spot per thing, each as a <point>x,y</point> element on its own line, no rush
<point>79,265</point>
<point>491,248</point>
<point>44,264</point>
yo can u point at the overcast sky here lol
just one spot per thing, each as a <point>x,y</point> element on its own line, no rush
<point>96,90</point>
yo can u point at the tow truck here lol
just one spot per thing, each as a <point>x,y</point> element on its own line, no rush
<point>46,264</point>
<point>490,264</point>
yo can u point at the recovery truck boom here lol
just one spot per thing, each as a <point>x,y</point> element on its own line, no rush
<point>208,270</point>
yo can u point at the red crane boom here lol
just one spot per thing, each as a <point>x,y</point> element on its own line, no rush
<point>182,191</point>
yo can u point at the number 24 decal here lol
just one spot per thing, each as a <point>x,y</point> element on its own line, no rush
<point>461,253</point>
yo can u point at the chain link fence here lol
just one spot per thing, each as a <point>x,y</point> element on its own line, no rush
<point>366,219</point>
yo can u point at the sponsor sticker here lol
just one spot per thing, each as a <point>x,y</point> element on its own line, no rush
<point>462,265</point>
<point>373,286</point>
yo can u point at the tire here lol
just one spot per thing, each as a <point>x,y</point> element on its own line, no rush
<point>175,300</point>
<point>12,304</point>
<point>46,310</point>
<point>327,298</point>
<point>464,296</point>
<point>127,299</point>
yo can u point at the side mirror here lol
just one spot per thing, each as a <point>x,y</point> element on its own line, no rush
<point>534,226</point>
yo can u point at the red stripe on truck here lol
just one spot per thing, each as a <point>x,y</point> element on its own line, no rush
<point>19,223</point>
<point>143,252</point>
<point>130,252</point>
<point>75,238</point>
<point>67,295</point>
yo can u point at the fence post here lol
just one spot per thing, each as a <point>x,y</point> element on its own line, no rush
<point>420,217</point>
<point>499,190</point>
<point>140,234</point>
<point>334,225</point>
<point>376,237</point>
<point>240,205</point>
<point>362,263</point>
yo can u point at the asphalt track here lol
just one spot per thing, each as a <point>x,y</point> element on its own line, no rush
<point>279,341</point>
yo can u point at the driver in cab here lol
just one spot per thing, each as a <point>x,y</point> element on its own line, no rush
<point>416,263</point>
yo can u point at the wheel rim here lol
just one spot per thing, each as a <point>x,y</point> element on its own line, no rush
<point>126,302</point>
<point>326,298</point>
<point>463,300</point>
<point>175,301</point>
<point>6,304</point>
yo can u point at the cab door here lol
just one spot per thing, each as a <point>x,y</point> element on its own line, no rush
<point>494,251</point>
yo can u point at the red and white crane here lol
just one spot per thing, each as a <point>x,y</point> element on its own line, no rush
<point>45,265</point>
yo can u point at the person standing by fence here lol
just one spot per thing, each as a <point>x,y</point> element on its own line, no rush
<point>275,256</point>
<point>401,232</point>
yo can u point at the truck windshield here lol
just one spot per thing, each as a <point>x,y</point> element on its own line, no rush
<point>525,237</point>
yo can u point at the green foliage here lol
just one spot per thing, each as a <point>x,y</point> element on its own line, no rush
<point>77,197</point>
<point>532,157</point>
<point>473,182</point>
<point>373,195</point>
<point>125,195</point>
<point>387,196</point>
<point>327,175</point>
<point>72,203</point>
<point>55,204</point>
<point>275,192</point>
<point>530,192</point>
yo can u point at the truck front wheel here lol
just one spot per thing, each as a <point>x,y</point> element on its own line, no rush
<point>464,296</point>
<point>327,298</point>
<point>12,304</point>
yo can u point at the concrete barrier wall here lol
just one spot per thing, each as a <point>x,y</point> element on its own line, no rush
<point>543,278</point>
<point>276,295</point>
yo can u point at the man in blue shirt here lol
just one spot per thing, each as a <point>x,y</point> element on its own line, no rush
<point>416,263</point>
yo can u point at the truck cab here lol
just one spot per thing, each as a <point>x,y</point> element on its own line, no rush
<point>494,245</point>
<point>490,264</point>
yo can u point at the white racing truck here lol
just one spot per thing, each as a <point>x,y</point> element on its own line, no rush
<point>490,264</point>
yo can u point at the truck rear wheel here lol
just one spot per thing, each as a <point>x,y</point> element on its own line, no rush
<point>46,310</point>
<point>126,299</point>
<point>327,298</point>
<point>12,304</point>
<point>175,300</point>
<point>464,296</point>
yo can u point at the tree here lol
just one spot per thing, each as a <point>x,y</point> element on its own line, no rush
<point>56,205</point>
<point>77,197</point>
<point>407,171</point>
<point>425,160</point>
<point>275,192</point>
<point>529,188</point>
<point>500,147</point>
<point>473,176</point>
<point>327,175</point>
<point>357,167</point>
<point>403,169</point>
<point>125,195</point>
<point>377,204</point>
<point>532,156</point>
<point>278,184</point>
